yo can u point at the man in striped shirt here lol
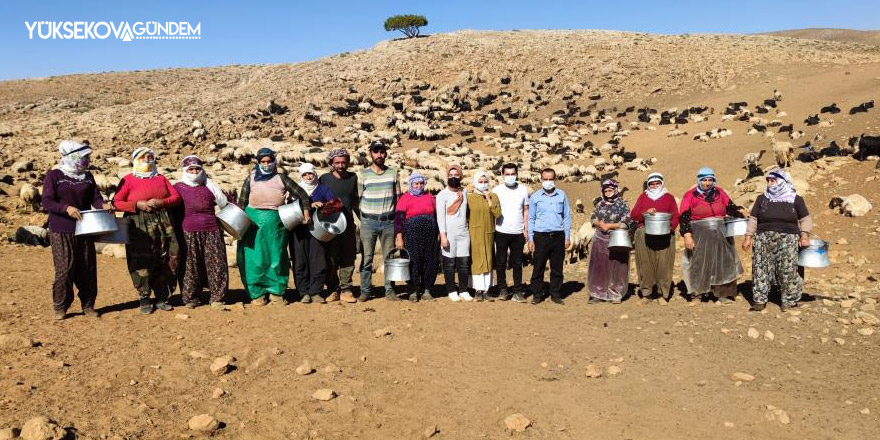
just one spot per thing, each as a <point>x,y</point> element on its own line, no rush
<point>379,190</point>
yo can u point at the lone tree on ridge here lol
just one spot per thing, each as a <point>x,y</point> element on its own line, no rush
<point>407,24</point>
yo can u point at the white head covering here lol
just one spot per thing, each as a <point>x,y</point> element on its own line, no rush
<point>200,179</point>
<point>477,176</point>
<point>656,193</point>
<point>140,166</point>
<point>309,187</point>
<point>73,156</point>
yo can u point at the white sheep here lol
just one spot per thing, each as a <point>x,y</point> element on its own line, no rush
<point>783,151</point>
<point>28,195</point>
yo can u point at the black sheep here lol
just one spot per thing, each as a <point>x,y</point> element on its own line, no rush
<point>812,120</point>
<point>786,128</point>
<point>833,109</point>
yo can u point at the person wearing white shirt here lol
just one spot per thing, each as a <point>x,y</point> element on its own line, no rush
<point>511,231</point>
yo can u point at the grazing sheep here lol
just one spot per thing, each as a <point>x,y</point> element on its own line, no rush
<point>827,124</point>
<point>854,205</point>
<point>833,109</point>
<point>727,118</point>
<point>579,206</point>
<point>783,151</point>
<point>796,134</point>
<point>676,132</point>
<point>29,196</point>
<point>777,95</point>
<point>752,158</point>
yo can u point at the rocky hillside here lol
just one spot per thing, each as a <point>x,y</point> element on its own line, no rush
<point>843,35</point>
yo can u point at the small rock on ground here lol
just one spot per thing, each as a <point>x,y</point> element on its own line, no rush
<point>324,394</point>
<point>517,422</point>
<point>203,423</point>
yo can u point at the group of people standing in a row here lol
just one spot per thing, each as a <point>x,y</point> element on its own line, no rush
<point>175,238</point>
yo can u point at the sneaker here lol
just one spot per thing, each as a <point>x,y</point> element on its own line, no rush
<point>537,299</point>
<point>391,296</point>
<point>757,307</point>
<point>333,297</point>
<point>453,296</point>
<point>786,307</point>
<point>164,306</point>
<point>218,305</point>
<point>261,301</point>
<point>306,299</point>
<point>465,296</point>
<point>479,296</point>
<point>557,299</point>
<point>426,296</point>
<point>518,297</point>
<point>347,296</point>
<point>503,295</point>
<point>278,299</point>
<point>91,312</point>
<point>318,299</point>
<point>146,308</point>
<point>191,305</point>
<point>414,297</point>
<point>59,314</point>
<point>363,297</point>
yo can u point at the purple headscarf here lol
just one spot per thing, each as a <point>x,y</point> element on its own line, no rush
<point>783,190</point>
<point>413,178</point>
<point>610,183</point>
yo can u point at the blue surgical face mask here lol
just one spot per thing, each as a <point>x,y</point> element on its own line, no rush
<point>510,180</point>
<point>548,185</point>
<point>482,187</point>
<point>267,168</point>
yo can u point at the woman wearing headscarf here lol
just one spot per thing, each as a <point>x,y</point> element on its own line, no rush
<point>309,253</point>
<point>779,222</point>
<point>415,229</point>
<point>483,209</point>
<point>710,262</point>
<point>67,190</point>
<point>608,271</point>
<point>152,251</point>
<point>655,254</point>
<point>262,253</point>
<point>204,252</point>
<point>455,240</point>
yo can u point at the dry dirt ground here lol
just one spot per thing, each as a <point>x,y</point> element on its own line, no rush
<point>462,368</point>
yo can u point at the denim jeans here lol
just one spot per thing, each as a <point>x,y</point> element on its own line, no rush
<point>371,231</point>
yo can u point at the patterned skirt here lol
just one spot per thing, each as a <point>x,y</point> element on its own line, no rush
<point>420,238</point>
<point>205,265</point>
<point>152,253</point>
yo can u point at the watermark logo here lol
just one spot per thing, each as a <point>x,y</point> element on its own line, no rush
<point>123,30</point>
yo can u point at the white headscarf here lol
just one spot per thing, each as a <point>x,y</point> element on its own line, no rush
<point>783,190</point>
<point>309,187</point>
<point>141,167</point>
<point>200,179</point>
<point>656,193</point>
<point>477,176</point>
<point>74,159</point>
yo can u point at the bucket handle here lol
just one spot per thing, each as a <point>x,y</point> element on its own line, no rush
<point>399,251</point>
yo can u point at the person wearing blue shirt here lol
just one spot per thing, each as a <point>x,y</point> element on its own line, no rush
<point>549,235</point>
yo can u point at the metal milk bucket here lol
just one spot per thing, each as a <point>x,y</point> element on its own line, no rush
<point>736,227</point>
<point>291,215</point>
<point>658,223</point>
<point>620,239</point>
<point>120,236</point>
<point>815,255</point>
<point>234,220</point>
<point>397,269</point>
<point>327,228</point>
<point>95,222</point>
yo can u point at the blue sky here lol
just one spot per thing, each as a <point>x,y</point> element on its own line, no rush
<point>262,32</point>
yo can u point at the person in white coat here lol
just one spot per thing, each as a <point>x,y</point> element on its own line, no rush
<point>455,241</point>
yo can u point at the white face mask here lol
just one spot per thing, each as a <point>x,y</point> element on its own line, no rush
<point>510,180</point>
<point>548,185</point>
<point>482,187</point>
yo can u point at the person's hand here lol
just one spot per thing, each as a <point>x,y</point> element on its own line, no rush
<point>444,242</point>
<point>526,234</point>
<point>143,205</point>
<point>744,212</point>
<point>651,211</point>
<point>74,213</point>
<point>804,240</point>
<point>155,203</point>
<point>398,241</point>
<point>747,243</point>
<point>109,207</point>
<point>531,246</point>
<point>689,241</point>
<point>307,217</point>
<point>317,205</point>
<point>567,243</point>
<point>604,226</point>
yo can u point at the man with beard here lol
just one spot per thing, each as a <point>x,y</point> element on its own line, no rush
<point>379,189</point>
<point>342,249</point>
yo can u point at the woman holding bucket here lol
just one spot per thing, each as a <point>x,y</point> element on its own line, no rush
<point>262,252</point>
<point>204,253</point>
<point>309,253</point>
<point>608,272</point>
<point>483,208</point>
<point>153,250</point>
<point>710,262</point>
<point>67,190</point>
<point>415,229</point>
<point>655,249</point>
<point>779,222</point>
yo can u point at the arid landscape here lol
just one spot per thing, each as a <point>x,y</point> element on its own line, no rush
<point>588,103</point>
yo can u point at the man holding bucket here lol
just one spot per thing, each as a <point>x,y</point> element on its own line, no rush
<point>379,190</point>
